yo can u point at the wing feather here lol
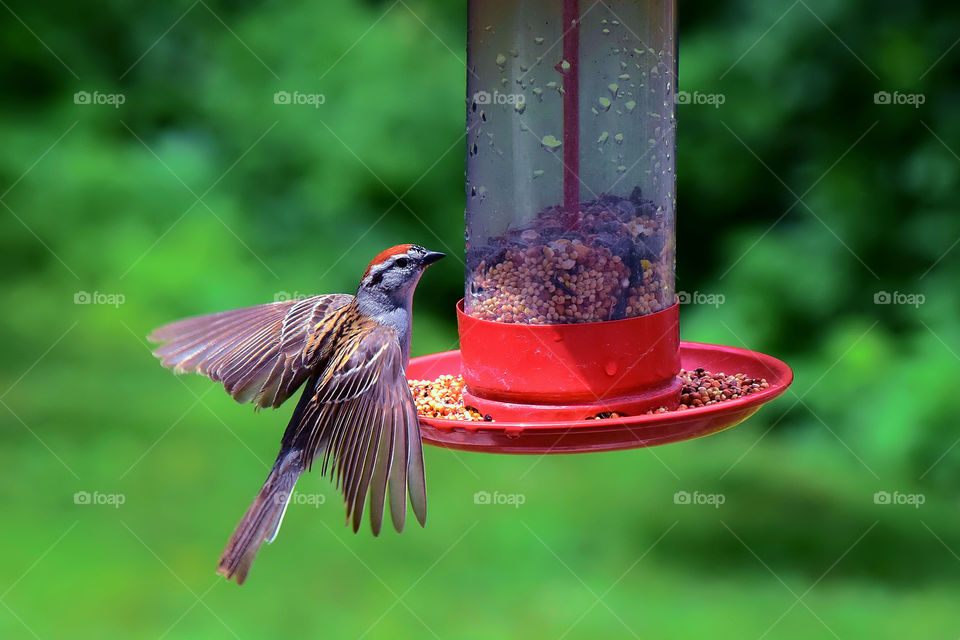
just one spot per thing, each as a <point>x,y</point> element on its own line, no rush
<point>398,475</point>
<point>260,354</point>
<point>364,428</point>
<point>381,472</point>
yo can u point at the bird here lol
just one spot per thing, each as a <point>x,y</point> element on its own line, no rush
<point>356,415</point>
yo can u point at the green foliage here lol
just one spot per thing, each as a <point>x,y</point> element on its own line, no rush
<point>199,193</point>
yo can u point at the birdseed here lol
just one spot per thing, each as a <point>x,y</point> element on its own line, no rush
<point>616,262</point>
<point>443,397</point>
<point>702,388</point>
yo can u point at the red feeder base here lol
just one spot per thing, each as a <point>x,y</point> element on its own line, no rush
<point>544,373</point>
<point>583,436</point>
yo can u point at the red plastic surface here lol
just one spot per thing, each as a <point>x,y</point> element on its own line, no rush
<point>524,372</point>
<point>584,436</point>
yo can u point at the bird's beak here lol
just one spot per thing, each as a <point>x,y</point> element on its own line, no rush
<point>432,256</point>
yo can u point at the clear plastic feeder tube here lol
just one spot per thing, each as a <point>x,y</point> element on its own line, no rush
<point>570,160</point>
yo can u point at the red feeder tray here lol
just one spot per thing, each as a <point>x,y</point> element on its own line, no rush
<point>612,434</point>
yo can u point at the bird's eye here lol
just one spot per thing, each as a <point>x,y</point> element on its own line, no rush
<point>401,262</point>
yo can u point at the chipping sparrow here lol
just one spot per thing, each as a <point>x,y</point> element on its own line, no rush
<point>356,410</point>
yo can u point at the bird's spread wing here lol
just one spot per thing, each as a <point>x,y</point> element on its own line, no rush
<point>363,421</point>
<point>261,353</point>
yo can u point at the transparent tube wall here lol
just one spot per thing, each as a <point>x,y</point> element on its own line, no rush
<point>570,160</point>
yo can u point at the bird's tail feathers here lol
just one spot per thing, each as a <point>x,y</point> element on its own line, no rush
<point>262,520</point>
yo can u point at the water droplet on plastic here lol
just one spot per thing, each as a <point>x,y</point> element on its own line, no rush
<point>537,173</point>
<point>550,143</point>
<point>614,88</point>
<point>501,59</point>
<point>603,137</point>
<point>610,368</point>
<point>538,40</point>
<point>520,107</point>
<point>618,138</point>
<point>630,105</point>
<point>604,103</point>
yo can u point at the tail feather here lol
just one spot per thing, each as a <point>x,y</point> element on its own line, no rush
<point>262,520</point>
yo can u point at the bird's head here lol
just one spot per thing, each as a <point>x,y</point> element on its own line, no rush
<point>397,270</point>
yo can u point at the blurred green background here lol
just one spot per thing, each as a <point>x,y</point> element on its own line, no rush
<point>801,198</point>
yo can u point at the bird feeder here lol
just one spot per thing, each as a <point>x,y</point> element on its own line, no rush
<point>569,325</point>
